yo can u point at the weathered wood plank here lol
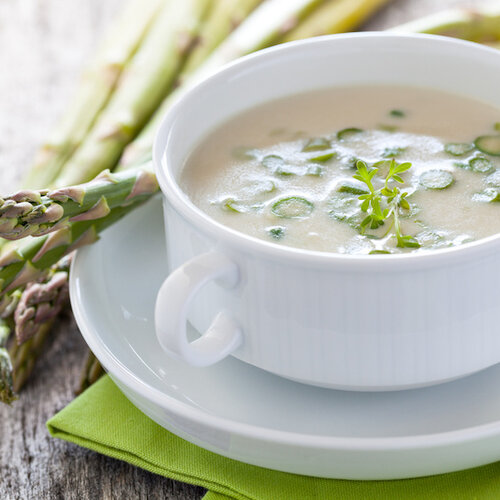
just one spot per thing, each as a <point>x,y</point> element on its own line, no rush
<point>43,46</point>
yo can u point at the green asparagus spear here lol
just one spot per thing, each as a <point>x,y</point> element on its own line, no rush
<point>225,16</point>
<point>35,328</point>
<point>31,261</point>
<point>335,17</point>
<point>8,303</point>
<point>480,24</point>
<point>98,82</point>
<point>35,213</point>
<point>148,79</point>
<point>265,26</point>
<point>42,301</point>
<point>7,393</point>
<point>24,356</point>
<point>92,372</point>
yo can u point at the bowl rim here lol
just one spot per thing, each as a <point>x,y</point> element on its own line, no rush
<point>228,237</point>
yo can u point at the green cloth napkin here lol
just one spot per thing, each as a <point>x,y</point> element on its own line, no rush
<point>103,420</point>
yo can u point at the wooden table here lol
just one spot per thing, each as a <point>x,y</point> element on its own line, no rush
<point>43,45</point>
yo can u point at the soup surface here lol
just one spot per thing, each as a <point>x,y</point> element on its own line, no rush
<point>355,170</point>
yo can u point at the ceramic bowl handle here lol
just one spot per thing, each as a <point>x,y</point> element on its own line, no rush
<point>222,337</point>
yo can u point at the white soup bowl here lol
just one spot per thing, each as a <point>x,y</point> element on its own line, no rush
<point>374,322</point>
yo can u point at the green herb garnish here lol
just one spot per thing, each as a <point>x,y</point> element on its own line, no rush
<point>232,205</point>
<point>458,148</point>
<point>351,188</point>
<point>292,207</point>
<point>347,132</point>
<point>384,204</point>
<point>493,179</point>
<point>315,170</point>
<point>397,113</point>
<point>489,144</point>
<point>481,164</point>
<point>489,195</point>
<point>276,232</point>
<point>316,144</point>
<point>323,157</point>
<point>436,179</point>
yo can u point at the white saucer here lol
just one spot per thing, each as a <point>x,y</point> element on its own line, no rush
<point>247,414</point>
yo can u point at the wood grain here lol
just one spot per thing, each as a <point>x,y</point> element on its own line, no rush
<point>44,44</point>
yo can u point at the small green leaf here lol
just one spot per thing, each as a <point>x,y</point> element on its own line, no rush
<point>402,167</point>
<point>352,162</point>
<point>323,157</point>
<point>240,207</point>
<point>379,252</point>
<point>232,205</point>
<point>276,232</point>
<point>403,203</point>
<point>351,188</point>
<point>408,242</point>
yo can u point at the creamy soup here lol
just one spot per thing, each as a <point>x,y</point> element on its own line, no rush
<point>354,170</point>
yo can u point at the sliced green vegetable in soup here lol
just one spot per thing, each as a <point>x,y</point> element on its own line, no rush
<point>365,170</point>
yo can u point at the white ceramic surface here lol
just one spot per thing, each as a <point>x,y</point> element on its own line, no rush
<point>344,321</point>
<point>245,413</point>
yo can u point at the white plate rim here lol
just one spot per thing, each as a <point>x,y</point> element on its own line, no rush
<point>226,425</point>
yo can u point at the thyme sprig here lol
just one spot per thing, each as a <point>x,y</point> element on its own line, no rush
<point>385,204</point>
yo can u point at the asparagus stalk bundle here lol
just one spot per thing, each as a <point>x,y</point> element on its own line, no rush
<point>24,356</point>
<point>82,224</point>
<point>150,75</point>
<point>41,302</point>
<point>267,25</point>
<point>225,16</point>
<point>98,83</point>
